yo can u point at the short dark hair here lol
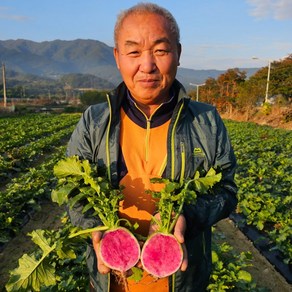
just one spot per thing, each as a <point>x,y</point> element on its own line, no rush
<point>151,8</point>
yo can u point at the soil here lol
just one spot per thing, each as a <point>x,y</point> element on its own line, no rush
<point>263,272</point>
<point>47,218</point>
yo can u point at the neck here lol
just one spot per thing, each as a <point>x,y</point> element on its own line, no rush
<point>148,109</point>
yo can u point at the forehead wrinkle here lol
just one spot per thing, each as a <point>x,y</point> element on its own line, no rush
<point>130,43</point>
<point>162,40</point>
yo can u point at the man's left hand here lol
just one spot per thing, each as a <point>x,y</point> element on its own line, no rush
<point>179,233</point>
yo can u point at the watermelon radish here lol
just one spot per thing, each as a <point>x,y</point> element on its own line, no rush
<point>161,255</point>
<point>119,249</point>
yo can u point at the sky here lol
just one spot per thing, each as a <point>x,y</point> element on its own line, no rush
<point>215,34</point>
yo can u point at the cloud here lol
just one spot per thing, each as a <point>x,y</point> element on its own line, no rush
<point>4,14</point>
<point>275,9</point>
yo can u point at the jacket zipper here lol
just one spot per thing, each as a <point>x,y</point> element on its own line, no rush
<point>147,138</point>
<point>163,166</point>
<point>109,282</point>
<point>183,161</point>
<point>182,174</point>
<point>173,167</point>
<point>107,139</point>
<point>173,143</point>
<point>108,163</point>
<point>173,283</point>
<point>148,121</point>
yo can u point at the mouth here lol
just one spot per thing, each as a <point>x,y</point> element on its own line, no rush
<point>149,82</point>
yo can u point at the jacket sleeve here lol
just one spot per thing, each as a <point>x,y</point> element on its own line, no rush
<point>80,144</point>
<point>211,208</point>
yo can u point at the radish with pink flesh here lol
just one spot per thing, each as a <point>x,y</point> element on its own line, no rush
<point>119,249</point>
<point>161,255</point>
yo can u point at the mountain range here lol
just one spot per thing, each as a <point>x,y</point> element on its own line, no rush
<point>52,59</point>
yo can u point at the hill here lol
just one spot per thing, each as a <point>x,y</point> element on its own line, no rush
<point>52,59</point>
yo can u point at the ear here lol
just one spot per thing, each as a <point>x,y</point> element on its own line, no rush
<point>116,56</point>
<point>179,49</point>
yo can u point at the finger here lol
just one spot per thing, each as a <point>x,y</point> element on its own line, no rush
<point>102,268</point>
<point>184,264</point>
<point>180,228</point>
<point>153,226</point>
<point>96,237</point>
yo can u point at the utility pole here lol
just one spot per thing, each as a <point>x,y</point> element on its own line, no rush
<point>268,78</point>
<point>268,81</point>
<point>197,85</point>
<point>4,84</point>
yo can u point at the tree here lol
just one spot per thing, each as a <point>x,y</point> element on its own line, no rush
<point>229,83</point>
<point>280,81</point>
<point>211,90</point>
<point>281,78</point>
<point>92,97</point>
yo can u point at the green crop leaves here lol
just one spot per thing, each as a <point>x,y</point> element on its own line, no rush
<point>32,273</point>
<point>175,194</point>
<point>264,180</point>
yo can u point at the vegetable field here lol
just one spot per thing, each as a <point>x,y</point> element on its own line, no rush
<point>264,178</point>
<point>31,145</point>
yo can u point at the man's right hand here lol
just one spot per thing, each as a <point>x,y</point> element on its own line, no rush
<point>96,237</point>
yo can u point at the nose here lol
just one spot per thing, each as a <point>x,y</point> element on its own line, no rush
<point>147,62</point>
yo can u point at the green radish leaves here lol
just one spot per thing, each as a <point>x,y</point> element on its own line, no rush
<point>175,194</point>
<point>78,180</point>
<point>33,273</point>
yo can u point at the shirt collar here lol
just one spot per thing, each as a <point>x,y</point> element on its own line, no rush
<point>162,115</point>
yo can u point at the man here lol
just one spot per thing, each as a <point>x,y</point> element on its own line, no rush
<point>150,128</point>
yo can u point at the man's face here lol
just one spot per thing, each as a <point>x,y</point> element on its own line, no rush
<point>147,56</point>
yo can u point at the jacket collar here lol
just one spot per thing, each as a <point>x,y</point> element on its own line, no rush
<point>117,95</point>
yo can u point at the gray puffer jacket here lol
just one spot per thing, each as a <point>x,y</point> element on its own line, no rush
<point>197,139</point>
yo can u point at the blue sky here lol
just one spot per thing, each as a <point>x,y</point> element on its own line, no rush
<point>215,34</point>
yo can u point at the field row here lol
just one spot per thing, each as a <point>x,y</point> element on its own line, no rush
<point>27,168</point>
<point>27,139</point>
<point>264,177</point>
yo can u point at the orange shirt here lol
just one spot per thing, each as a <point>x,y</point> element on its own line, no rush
<point>144,151</point>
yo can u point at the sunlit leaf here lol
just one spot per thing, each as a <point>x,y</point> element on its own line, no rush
<point>67,167</point>
<point>31,275</point>
<point>244,276</point>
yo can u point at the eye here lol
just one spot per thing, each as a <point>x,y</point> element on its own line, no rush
<point>133,53</point>
<point>161,52</point>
